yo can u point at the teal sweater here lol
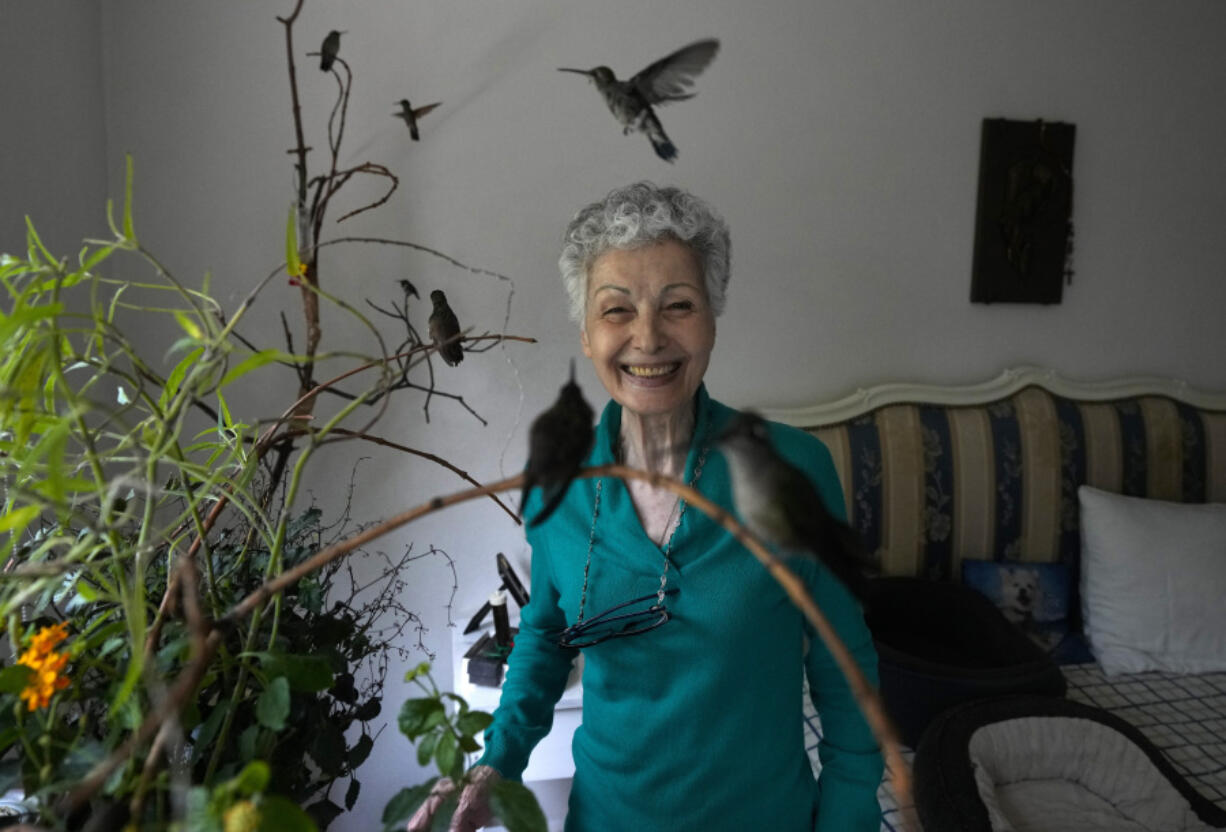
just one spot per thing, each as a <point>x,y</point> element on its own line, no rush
<point>695,725</point>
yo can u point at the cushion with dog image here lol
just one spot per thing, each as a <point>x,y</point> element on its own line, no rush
<point>940,644</point>
<point>1035,598</point>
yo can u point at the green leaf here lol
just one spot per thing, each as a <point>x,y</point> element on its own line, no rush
<point>188,325</point>
<point>474,722</point>
<point>14,679</point>
<point>460,701</point>
<point>248,740</point>
<point>323,812</point>
<point>136,666</point>
<point>279,814</point>
<point>223,412</point>
<point>292,262</point>
<point>98,255</point>
<point>8,736</point>
<point>272,708</point>
<point>19,518</point>
<point>447,755</point>
<point>368,711</point>
<point>425,748</point>
<point>310,674</point>
<point>253,778</point>
<point>177,375</point>
<point>360,751</point>
<point>516,806</point>
<point>208,729</point>
<point>251,362</point>
<point>405,802</point>
<point>420,670</point>
<point>129,714</point>
<point>327,747</point>
<point>34,244</point>
<point>351,793</point>
<point>174,650</point>
<point>202,816</point>
<point>415,715</point>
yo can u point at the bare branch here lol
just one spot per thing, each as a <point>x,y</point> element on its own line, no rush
<point>378,170</point>
<point>424,455</point>
<point>416,247</point>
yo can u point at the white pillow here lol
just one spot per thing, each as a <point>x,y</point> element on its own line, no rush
<point>1153,583</point>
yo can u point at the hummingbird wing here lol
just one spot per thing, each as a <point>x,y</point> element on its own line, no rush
<point>559,441</point>
<point>443,325</point>
<point>421,111</point>
<point>670,78</point>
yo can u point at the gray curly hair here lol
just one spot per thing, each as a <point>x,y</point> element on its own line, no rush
<point>637,215</point>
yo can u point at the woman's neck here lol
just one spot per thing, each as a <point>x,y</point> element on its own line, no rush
<point>657,442</point>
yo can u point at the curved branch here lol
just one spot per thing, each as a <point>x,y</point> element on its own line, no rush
<point>377,170</point>
<point>416,247</point>
<point>866,697</point>
<point>464,475</point>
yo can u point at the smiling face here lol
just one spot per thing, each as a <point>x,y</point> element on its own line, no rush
<point>648,327</point>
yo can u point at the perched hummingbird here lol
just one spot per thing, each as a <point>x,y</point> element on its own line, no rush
<point>411,116</point>
<point>558,442</point>
<point>409,289</point>
<point>443,327</point>
<point>328,50</point>
<point>780,504</point>
<point>663,81</point>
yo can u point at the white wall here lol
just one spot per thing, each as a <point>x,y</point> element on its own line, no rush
<point>839,138</point>
<point>52,153</point>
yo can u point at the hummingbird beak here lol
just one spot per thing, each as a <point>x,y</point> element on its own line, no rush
<point>586,72</point>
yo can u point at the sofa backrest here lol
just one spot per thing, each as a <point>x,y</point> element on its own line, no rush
<point>934,475</point>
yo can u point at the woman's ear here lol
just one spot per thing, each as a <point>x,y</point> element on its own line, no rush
<point>587,347</point>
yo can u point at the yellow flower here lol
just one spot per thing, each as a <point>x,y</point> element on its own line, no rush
<point>47,665</point>
<point>242,817</point>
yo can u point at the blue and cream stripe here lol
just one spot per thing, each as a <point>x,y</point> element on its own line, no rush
<point>928,485</point>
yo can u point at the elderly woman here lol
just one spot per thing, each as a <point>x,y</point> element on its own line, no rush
<point>692,682</point>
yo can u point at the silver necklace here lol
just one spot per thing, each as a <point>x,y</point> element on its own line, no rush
<point>668,549</point>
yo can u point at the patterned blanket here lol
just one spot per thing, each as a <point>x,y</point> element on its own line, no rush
<point>1183,715</point>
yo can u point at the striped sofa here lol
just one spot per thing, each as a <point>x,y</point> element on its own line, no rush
<point>933,475</point>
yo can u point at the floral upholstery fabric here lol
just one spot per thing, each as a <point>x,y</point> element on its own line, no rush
<point>928,485</point>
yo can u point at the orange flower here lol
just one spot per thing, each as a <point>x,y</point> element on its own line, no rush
<point>47,665</point>
<point>47,638</point>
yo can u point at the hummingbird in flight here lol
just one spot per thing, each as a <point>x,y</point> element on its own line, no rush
<point>328,49</point>
<point>779,504</point>
<point>444,327</point>
<point>411,116</point>
<point>664,81</point>
<point>558,442</point>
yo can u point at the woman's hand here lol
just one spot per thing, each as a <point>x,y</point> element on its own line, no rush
<point>473,810</point>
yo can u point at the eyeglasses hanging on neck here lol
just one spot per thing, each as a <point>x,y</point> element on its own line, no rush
<point>613,623</point>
